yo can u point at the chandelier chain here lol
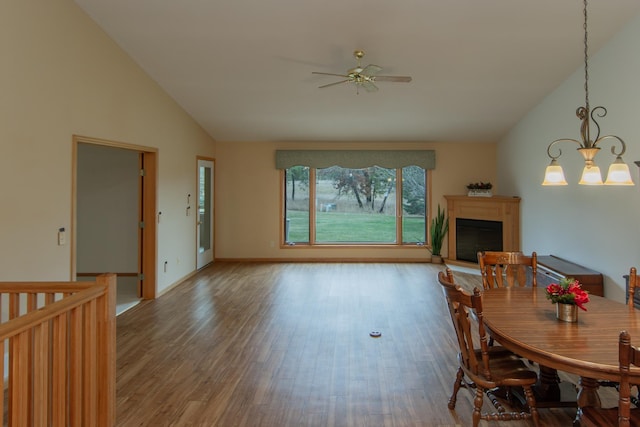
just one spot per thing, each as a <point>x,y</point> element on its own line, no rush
<point>586,60</point>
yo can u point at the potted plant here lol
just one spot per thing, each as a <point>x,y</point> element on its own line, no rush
<point>479,189</point>
<point>439,228</point>
<point>568,295</point>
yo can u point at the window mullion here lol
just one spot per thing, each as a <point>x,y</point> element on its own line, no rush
<point>312,206</point>
<point>399,239</point>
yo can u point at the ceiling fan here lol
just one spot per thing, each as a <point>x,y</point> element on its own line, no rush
<point>363,76</point>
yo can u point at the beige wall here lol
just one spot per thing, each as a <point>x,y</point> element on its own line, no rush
<point>60,76</point>
<point>248,195</point>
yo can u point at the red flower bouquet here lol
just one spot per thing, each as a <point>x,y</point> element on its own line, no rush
<point>568,291</point>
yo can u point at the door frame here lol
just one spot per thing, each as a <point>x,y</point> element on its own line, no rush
<point>147,247</point>
<point>213,209</point>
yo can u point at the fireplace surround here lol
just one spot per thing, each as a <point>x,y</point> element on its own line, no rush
<point>487,211</point>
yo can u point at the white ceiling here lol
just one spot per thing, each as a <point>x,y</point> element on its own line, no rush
<point>242,68</point>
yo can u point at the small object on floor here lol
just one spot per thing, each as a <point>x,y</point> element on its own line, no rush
<point>375,334</point>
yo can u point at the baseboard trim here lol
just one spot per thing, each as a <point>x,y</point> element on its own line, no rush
<point>461,263</point>
<point>176,283</point>
<point>328,260</point>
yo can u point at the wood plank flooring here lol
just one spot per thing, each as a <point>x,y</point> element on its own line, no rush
<point>261,344</point>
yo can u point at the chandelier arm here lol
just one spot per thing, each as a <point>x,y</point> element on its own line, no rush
<point>613,148</point>
<point>559,150</point>
<point>600,112</point>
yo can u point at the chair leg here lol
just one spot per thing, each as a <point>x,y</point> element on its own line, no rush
<point>531,402</point>
<point>477,406</point>
<point>456,387</point>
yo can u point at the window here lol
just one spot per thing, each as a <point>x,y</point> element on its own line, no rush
<point>338,205</point>
<point>355,205</point>
<point>296,204</point>
<point>414,205</point>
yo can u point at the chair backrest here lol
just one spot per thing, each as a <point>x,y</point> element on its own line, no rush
<point>463,306</point>
<point>633,300</point>
<point>629,355</point>
<point>507,269</point>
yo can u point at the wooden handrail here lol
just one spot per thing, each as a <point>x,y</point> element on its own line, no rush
<point>48,312</point>
<point>62,355</point>
<point>119,274</point>
<point>43,287</point>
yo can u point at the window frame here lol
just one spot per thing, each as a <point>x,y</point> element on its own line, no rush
<point>312,217</point>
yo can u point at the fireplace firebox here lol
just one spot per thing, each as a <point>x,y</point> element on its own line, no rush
<point>473,235</point>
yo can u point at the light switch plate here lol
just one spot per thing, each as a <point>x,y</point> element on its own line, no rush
<point>62,238</point>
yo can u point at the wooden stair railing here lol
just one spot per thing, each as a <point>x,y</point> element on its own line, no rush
<point>59,340</point>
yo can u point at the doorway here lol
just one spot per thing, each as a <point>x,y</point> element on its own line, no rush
<point>113,225</point>
<point>204,223</point>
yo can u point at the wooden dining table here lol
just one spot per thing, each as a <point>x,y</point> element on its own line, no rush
<point>523,320</point>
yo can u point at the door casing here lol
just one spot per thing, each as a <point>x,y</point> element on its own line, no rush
<point>206,256</point>
<point>148,210</point>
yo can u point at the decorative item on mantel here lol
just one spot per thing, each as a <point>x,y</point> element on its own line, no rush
<point>568,296</point>
<point>480,189</point>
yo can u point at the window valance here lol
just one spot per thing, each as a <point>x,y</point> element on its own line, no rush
<point>356,159</point>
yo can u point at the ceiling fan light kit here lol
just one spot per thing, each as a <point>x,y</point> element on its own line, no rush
<point>363,76</point>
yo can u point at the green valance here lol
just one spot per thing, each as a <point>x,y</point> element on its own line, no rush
<point>356,159</point>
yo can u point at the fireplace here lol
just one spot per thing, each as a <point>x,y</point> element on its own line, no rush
<point>473,235</point>
<point>496,221</point>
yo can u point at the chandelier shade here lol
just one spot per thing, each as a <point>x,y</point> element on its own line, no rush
<point>619,173</point>
<point>591,176</point>
<point>554,175</point>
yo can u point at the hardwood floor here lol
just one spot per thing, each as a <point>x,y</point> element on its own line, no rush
<point>243,344</point>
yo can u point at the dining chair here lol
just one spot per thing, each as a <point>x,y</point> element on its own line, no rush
<point>483,369</point>
<point>622,415</point>
<point>632,299</point>
<point>507,269</point>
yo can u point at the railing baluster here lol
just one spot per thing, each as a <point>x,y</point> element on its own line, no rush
<point>60,371</point>
<point>40,373</point>
<point>107,351</point>
<point>90,401</point>
<point>75,368</point>
<point>19,373</point>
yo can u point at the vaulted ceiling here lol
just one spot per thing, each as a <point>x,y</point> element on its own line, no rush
<point>243,68</point>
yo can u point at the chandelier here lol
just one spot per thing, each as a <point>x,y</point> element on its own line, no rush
<point>618,171</point>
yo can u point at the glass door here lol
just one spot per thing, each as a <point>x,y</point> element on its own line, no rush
<point>205,213</point>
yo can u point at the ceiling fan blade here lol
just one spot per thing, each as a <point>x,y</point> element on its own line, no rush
<point>335,83</point>
<point>369,86</point>
<point>400,79</point>
<point>329,74</point>
<point>365,77</point>
<point>370,70</point>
